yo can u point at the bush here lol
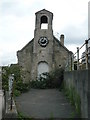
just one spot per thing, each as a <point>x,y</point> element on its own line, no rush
<point>18,85</point>
<point>17,93</point>
<point>52,79</point>
<point>5,74</point>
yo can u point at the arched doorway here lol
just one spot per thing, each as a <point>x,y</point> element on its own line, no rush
<point>42,67</point>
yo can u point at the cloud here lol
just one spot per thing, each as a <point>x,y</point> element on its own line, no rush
<point>8,58</point>
<point>20,8</point>
<point>8,53</point>
<point>74,34</point>
<point>17,23</point>
<point>89,19</point>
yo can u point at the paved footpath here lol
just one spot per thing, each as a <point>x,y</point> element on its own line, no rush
<point>0,106</point>
<point>44,103</point>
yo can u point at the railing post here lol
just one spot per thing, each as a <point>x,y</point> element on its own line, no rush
<point>72,62</point>
<point>77,58</point>
<point>69,63</point>
<point>86,42</point>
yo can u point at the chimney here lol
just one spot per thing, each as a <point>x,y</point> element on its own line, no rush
<point>62,39</point>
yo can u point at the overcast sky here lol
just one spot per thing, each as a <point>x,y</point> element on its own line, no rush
<point>17,24</point>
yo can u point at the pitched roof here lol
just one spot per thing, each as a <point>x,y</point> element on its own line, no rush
<point>61,44</point>
<point>43,11</point>
<point>26,45</point>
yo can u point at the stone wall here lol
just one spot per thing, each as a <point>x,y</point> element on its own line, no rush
<point>61,54</point>
<point>25,61</point>
<point>28,60</point>
<point>80,80</point>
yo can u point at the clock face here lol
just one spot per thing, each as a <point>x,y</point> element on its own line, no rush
<point>43,41</point>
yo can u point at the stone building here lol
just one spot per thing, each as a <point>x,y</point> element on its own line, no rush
<point>44,52</point>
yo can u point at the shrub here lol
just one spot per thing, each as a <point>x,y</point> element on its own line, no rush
<point>5,74</point>
<point>17,92</point>
<point>52,79</point>
<point>18,85</point>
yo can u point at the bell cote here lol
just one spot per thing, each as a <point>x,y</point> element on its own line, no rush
<point>43,20</point>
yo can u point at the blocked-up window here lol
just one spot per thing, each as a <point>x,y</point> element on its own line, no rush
<point>44,22</point>
<point>42,67</point>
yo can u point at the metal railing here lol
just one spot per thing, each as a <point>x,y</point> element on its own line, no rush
<point>75,62</point>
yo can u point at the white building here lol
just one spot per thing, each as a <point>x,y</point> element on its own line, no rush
<point>1,93</point>
<point>89,21</point>
<point>84,54</point>
<point>0,78</point>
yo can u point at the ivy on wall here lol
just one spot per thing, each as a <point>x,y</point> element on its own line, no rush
<point>18,85</point>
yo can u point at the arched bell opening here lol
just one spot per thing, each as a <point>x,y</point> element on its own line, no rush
<point>44,22</point>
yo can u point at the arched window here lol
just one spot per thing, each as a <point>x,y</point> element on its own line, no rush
<point>44,22</point>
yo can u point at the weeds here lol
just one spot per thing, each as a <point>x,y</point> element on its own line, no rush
<point>74,98</point>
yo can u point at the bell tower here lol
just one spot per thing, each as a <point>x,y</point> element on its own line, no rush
<point>43,43</point>
<point>43,17</point>
<point>43,30</point>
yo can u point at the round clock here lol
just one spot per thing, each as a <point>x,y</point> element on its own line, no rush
<point>43,41</point>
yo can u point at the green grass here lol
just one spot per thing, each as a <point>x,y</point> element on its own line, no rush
<point>74,98</point>
<point>21,116</point>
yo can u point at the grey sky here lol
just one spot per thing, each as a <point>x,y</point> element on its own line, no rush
<point>17,24</point>
<point>89,19</point>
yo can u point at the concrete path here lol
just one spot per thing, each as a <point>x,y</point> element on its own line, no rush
<point>0,106</point>
<point>44,103</point>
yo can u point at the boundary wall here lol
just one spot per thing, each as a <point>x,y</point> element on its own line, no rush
<point>80,80</point>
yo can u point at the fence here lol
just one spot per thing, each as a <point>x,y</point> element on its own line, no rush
<point>82,62</point>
